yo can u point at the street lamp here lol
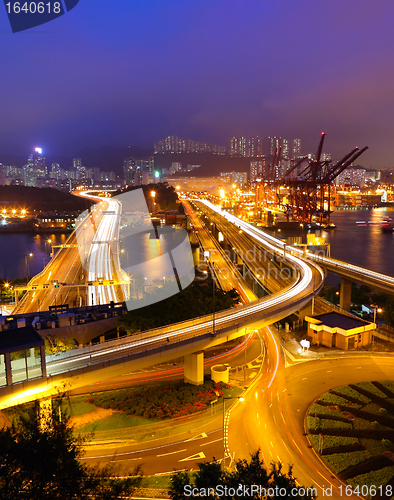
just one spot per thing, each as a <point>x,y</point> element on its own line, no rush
<point>48,242</point>
<point>246,346</point>
<point>123,251</point>
<point>27,263</point>
<point>375,309</point>
<point>153,194</point>
<point>240,398</point>
<point>213,299</point>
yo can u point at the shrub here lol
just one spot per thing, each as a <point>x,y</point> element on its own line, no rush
<point>386,442</point>
<point>163,402</point>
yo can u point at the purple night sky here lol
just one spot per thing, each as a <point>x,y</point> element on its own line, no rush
<point>130,73</point>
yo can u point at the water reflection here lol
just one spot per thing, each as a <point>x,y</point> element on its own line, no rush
<point>359,239</point>
<point>24,254</point>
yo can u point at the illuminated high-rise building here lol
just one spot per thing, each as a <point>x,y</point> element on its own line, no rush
<point>255,147</point>
<point>237,146</point>
<point>129,169</point>
<point>256,170</point>
<point>79,168</point>
<point>35,168</point>
<point>274,144</point>
<point>174,144</point>
<point>285,149</point>
<point>296,148</point>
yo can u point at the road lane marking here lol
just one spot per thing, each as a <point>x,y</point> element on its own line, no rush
<point>216,440</point>
<point>171,453</point>
<point>329,371</point>
<point>125,459</point>
<point>194,457</point>
<point>200,436</point>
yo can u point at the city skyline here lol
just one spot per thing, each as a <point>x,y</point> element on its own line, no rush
<point>138,73</point>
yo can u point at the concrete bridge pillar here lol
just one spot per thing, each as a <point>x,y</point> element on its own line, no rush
<point>7,359</point>
<point>258,290</point>
<point>44,413</point>
<point>194,368</point>
<point>306,310</point>
<point>197,257</point>
<point>193,238</point>
<point>227,247</point>
<point>345,294</point>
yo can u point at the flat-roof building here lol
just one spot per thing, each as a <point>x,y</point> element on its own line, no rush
<point>22,356</point>
<point>338,330</point>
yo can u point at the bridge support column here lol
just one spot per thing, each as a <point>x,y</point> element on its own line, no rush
<point>258,290</point>
<point>8,371</point>
<point>197,257</point>
<point>44,413</point>
<point>43,361</point>
<point>306,310</point>
<point>345,294</point>
<point>194,368</point>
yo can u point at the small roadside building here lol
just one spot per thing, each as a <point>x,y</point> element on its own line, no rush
<point>334,329</point>
<point>22,356</point>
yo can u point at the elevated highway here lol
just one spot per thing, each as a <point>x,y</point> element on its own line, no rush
<point>87,365</point>
<point>226,274</point>
<point>352,272</point>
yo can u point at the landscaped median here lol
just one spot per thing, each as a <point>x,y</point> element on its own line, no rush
<point>352,429</point>
<point>141,413</point>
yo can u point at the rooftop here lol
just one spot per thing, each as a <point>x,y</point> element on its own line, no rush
<point>19,338</point>
<point>335,319</point>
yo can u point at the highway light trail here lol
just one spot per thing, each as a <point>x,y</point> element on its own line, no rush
<point>100,256</point>
<point>293,296</point>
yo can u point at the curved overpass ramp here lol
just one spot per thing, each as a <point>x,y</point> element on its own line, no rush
<point>88,365</point>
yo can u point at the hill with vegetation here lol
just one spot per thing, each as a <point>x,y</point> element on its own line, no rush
<point>40,199</point>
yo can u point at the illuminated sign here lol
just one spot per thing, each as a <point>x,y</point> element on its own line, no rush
<point>38,150</point>
<point>305,343</point>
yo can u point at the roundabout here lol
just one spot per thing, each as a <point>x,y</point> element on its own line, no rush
<point>273,415</point>
<point>352,429</point>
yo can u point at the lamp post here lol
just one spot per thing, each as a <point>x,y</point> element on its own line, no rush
<point>123,251</point>
<point>213,301</point>
<point>27,263</point>
<point>375,309</point>
<point>213,297</point>
<point>153,194</point>
<point>47,242</point>
<point>246,346</point>
<point>240,398</point>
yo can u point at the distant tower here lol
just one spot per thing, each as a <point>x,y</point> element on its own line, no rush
<point>129,169</point>
<point>80,170</point>
<point>256,170</point>
<point>35,168</point>
<point>237,146</point>
<point>296,148</point>
<point>274,143</point>
<point>255,149</point>
<point>285,149</point>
